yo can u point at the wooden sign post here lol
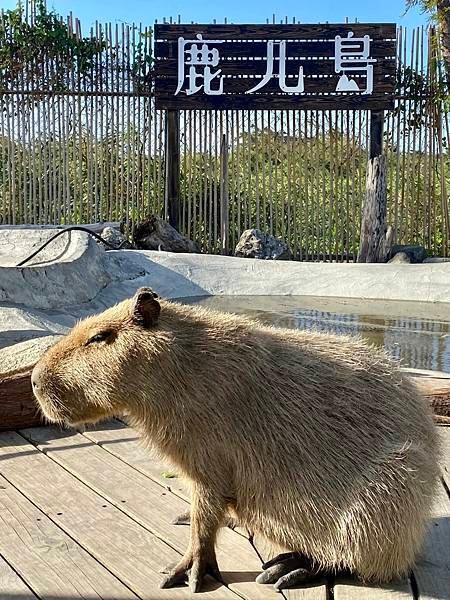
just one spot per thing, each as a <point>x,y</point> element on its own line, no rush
<point>376,133</point>
<point>172,167</point>
<point>376,237</point>
<point>242,67</point>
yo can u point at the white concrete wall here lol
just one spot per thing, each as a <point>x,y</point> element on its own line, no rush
<point>179,275</point>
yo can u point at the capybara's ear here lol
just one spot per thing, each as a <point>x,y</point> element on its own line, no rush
<point>145,307</point>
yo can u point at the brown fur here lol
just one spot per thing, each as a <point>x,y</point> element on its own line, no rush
<point>318,442</point>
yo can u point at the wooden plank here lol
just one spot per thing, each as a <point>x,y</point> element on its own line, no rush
<point>123,442</point>
<point>432,571</point>
<point>130,552</point>
<point>267,102</point>
<point>11,586</point>
<point>354,590</point>
<point>147,503</point>
<point>134,493</point>
<point>377,31</point>
<point>165,51</point>
<point>235,66</point>
<point>436,388</point>
<point>47,559</point>
<point>325,84</point>
<point>315,591</point>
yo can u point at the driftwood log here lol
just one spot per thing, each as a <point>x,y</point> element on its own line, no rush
<point>376,236</point>
<point>17,406</point>
<point>436,389</point>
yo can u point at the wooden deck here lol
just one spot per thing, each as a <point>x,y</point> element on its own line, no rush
<point>88,516</point>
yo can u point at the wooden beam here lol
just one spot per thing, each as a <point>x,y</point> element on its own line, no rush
<point>378,31</point>
<point>376,133</point>
<point>224,196</point>
<point>376,238</point>
<point>172,190</point>
<point>241,101</point>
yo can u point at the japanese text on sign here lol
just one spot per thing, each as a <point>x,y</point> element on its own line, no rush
<point>197,58</point>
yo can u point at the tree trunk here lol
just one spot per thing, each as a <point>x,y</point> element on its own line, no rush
<point>376,237</point>
<point>443,16</point>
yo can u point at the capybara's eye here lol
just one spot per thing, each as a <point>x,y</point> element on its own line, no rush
<point>99,337</point>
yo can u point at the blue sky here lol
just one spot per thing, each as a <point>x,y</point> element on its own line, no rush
<point>237,11</point>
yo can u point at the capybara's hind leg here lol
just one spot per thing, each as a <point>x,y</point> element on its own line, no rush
<point>289,569</point>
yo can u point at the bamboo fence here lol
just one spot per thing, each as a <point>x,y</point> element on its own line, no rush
<point>94,150</point>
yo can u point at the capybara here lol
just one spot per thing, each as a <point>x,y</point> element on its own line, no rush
<point>317,442</point>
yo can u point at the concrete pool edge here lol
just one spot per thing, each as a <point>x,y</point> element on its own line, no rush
<point>185,275</point>
<point>83,273</point>
<point>58,278</point>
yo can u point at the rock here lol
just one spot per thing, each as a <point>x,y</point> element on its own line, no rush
<point>114,237</point>
<point>254,243</point>
<point>157,234</point>
<point>400,257</point>
<point>416,253</point>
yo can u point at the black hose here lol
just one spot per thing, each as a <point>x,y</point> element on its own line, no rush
<point>72,228</point>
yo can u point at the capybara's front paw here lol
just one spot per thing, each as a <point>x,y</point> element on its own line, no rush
<point>192,570</point>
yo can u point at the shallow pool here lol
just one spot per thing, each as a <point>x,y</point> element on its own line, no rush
<point>417,334</point>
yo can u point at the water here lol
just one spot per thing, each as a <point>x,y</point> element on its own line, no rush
<point>416,334</point>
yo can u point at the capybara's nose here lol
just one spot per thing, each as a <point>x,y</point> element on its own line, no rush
<point>36,376</point>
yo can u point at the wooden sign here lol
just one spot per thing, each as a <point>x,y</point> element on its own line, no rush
<point>275,66</point>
